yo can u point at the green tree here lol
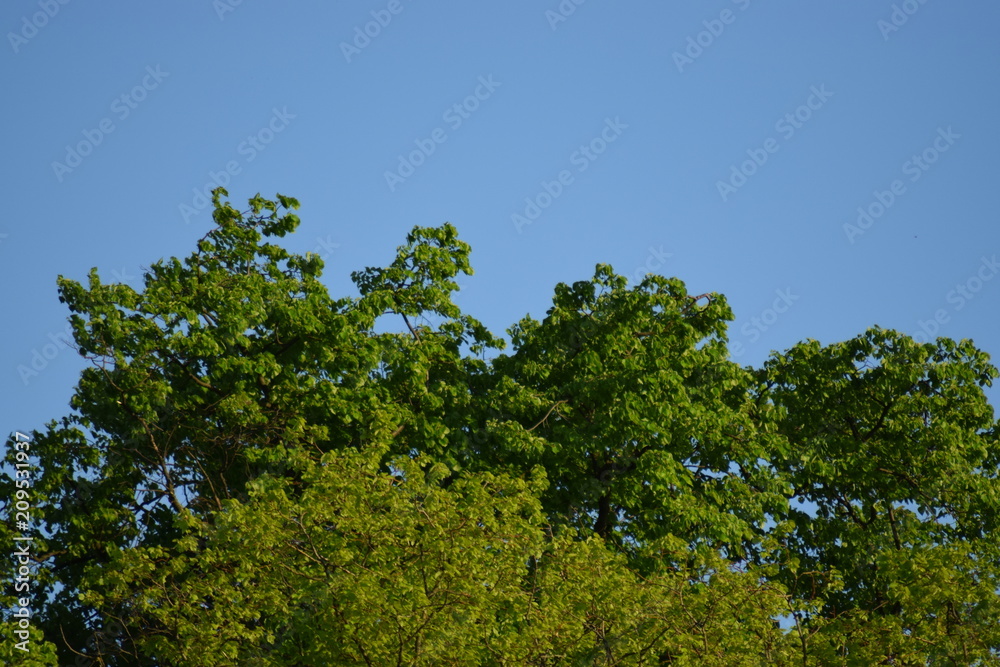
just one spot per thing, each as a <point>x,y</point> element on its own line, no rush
<point>893,459</point>
<point>634,410</point>
<point>256,473</point>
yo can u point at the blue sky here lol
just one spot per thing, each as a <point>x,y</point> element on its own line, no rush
<point>727,143</point>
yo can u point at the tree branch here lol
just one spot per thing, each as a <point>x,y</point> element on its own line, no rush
<point>557,404</point>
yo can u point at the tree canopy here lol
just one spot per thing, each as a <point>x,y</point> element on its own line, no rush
<point>254,472</point>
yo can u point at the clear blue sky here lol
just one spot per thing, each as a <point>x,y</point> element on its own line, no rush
<point>635,115</point>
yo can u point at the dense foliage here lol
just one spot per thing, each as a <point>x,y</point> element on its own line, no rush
<point>256,473</point>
